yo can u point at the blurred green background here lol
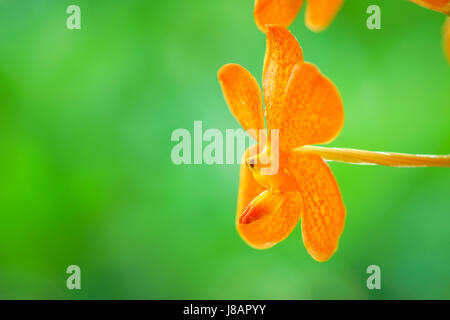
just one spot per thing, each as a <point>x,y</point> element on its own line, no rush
<point>86,176</point>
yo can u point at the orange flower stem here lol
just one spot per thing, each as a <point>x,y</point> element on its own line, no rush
<point>391,159</point>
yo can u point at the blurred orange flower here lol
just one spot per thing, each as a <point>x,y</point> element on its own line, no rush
<point>306,108</point>
<point>319,13</point>
<point>444,7</point>
<point>436,5</point>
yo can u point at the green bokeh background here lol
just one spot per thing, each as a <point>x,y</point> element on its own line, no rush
<point>86,176</point>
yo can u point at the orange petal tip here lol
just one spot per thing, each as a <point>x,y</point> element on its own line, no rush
<point>320,13</point>
<point>275,12</point>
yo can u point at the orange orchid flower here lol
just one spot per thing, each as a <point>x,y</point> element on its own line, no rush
<point>319,13</point>
<point>444,7</point>
<point>306,108</point>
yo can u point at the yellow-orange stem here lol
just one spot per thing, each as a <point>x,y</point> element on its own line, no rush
<point>391,159</point>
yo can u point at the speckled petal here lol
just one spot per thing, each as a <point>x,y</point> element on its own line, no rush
<point>243,96</point>
<point>312,112</point>
<point>324,212</point>
<point>282,54</point>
